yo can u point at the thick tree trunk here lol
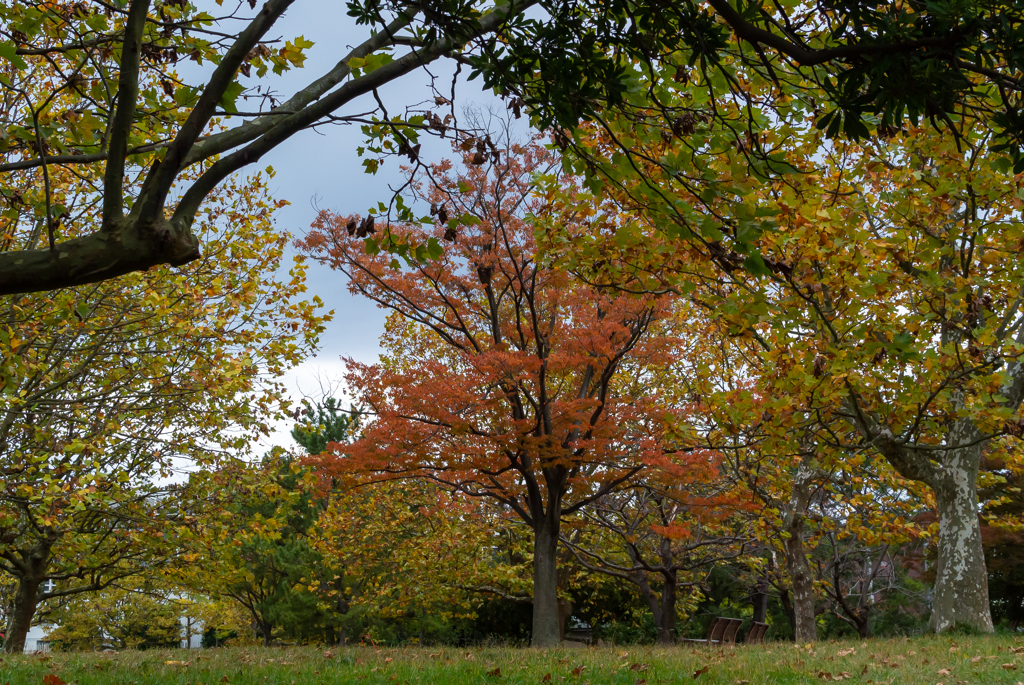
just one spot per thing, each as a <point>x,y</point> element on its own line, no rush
<point>667,626</point>
<point>25,602</point>
<point>961,580</point>
<point>805,629</point>
<point>546,632</point>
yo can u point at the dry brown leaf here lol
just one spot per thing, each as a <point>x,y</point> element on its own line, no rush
<point>1010,667</point>
<point>51,679</point>
<point>701,671</point>
<point>944,671</point>
<point>496,673</point>
<point>546,678</point>
<point>847,652</point>
<point>579,669</point>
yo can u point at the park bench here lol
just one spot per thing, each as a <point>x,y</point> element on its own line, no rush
<point>722,631</point>
<point>756,634</point>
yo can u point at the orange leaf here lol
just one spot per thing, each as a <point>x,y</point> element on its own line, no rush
<point>700,672</point>
<point>51,679</point>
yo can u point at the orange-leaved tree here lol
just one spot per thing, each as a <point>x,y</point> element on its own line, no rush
<point>500,374</point>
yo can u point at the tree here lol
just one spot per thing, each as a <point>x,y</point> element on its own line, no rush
<point>666,533</point>
<point>881,293</point>
<point>257,540</point>
<point>500,377</point>
<point>118,618</point>
<point>325,422</point>
<point>96,94</point>
<point>109,388</point>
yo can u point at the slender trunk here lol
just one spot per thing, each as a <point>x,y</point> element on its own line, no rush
<point>787,606</point>
<point>264,629</point>
<point>25,602</point>
<point>961,581</point>
<point>564,614</point>
<point>658,607</point>
<point>546,632</point>
<point>759,599</point>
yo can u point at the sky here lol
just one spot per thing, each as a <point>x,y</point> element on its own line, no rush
<point>321,169</point>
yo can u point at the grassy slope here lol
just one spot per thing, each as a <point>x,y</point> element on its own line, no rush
<point>977,661</point>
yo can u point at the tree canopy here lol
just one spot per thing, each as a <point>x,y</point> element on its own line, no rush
<point>90,88</point>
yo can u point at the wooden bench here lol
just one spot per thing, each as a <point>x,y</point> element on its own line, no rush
<point>722,631</point>
<point>756,634</point>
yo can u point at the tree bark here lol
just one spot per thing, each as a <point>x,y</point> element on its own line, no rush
<point>961,580</point>
<point>759,599</point>
<point>667,626</point>
<point>805,628</point>
<point>25,602</point>
<point>546,632</point>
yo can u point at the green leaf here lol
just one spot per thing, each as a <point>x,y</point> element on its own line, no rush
<point>755,265</point>
<point>231,93</point>
<point>9,53</point>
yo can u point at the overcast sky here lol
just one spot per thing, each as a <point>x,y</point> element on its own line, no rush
<point>322,167</point>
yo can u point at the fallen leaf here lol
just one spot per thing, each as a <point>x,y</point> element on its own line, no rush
<point>640,681</point>
<point>975,659</point>
<point>496,673</point>
<point>1017,650</point>
<point>51,679</point>
<point>388,660</point>
<point>546,678</point>
<point>579,669</point>
<point>1010,667</point>
<point>944,671</point>
<point>638,667</point>
<point>742,682</point>
<point>847,652</point>
<point>698,673</point>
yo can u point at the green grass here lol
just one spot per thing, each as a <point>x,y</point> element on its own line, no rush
<point>969,660</point>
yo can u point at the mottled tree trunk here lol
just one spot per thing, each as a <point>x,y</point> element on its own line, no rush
<point>961,580</point>
<point>25,602</point>
<point>805,629</point>
<point>546,632</point>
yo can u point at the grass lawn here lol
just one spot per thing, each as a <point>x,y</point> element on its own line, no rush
<point>946,660</point>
